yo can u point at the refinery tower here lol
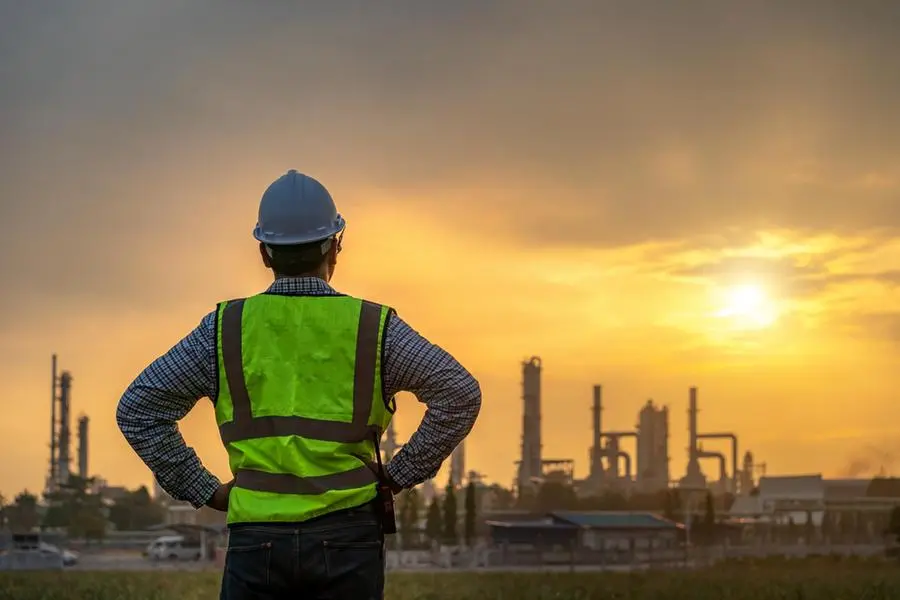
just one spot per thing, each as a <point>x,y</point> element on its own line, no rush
<point>60,468</point>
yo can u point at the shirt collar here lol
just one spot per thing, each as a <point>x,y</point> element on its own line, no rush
<point>301,286</point>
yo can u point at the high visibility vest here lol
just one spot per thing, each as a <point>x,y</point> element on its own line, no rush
<point>300,403</point>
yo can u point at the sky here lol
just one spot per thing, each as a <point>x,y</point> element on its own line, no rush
<point>647,195</point>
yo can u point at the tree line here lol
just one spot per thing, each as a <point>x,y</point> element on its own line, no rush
<point>82,514</point>
<point>441,522</point>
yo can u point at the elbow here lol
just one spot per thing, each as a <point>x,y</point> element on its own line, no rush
<point>125,414</point>
<point>122,415</point>
<point>470,397</point>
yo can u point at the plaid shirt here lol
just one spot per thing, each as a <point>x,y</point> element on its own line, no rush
<point>170,387</point>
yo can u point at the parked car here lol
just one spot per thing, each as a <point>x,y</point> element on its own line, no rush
<point>69,558</point>
<point>173,547</point>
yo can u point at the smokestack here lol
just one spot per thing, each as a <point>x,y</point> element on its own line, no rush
<point>692,424</point>
<point>598,394</point>
<point>51,479</point>
<point>83,447</point>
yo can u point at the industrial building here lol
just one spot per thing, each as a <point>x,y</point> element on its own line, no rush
<point>60,469</point>
<point>591,537</point>
<point>819,510</point>
<point>612,467</point>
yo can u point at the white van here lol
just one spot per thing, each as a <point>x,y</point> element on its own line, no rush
<point>173,547</point>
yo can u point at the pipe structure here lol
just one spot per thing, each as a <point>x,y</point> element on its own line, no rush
<point>627,457</point>
<point>734,450</point>
<point>611,450</point>
<point>723,472</point>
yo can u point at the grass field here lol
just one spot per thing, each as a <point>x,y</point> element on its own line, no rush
<point>807,580</point>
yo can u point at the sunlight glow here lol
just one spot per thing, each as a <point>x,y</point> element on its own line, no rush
<point>748,307</point>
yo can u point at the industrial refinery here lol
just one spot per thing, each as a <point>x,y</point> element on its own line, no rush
<point>612,468</point>
<point>61,432</point>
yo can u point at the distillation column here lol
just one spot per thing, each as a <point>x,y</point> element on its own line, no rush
<point>83,447</point>
<point>530,465</point>
<point>64,460</point>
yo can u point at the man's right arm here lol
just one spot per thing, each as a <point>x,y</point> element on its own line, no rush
<point>162,395</point>
<point>450,393</point>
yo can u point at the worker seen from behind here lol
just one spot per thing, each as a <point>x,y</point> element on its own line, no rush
<point>303,380</point>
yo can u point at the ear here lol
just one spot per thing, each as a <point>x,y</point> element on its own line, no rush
<point>267,260</point>
<point>332,255</point>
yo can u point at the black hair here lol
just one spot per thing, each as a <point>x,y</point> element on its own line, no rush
<point>298,260</point>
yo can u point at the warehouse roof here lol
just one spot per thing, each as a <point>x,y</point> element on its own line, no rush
<point>614,520</point>
<point>532,524</point>
<point>792,487</point>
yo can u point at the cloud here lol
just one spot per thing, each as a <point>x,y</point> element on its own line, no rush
<point>584,166</point>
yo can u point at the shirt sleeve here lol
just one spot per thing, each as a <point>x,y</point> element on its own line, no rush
<point>166,391</point>
<point>452,397</point>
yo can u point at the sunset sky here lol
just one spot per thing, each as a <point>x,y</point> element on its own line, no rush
<point>648,195</point>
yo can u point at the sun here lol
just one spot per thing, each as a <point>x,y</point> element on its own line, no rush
<point>748,307</point>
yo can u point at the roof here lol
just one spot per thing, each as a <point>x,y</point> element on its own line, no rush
<point>533,524</point>
<point>746,506</point>
<point>884,487</point>
<point>845,489</point>
<point>614,520</point>
<point>511,515</point>
<point>791,487</point>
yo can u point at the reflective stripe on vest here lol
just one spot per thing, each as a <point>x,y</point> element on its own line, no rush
<point>244,426</point>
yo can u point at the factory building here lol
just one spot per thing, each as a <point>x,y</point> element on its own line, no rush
<point>588,537</point>
<point>816,509</point>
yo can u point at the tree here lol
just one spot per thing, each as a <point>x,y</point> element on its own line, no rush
<point>433,521</point>
<point>469,527</point>
<point>409,519</point>
<point>137,511</point>
<point>503,498</point>
<point>75,508</point>
<point>3,508</point>
<point>23,513</point>
<point>670,505</point>
<point>555,495</point>
<point>450,516</point>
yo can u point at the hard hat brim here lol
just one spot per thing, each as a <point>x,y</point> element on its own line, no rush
<point>272,239</point>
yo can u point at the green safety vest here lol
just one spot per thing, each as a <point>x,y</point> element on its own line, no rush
<point>300,403</point>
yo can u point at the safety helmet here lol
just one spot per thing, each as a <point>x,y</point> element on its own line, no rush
<point>296,209</point>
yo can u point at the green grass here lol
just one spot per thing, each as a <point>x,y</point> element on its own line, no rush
<point>768,580</point>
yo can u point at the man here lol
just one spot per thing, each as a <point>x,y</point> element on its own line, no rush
<point>302,379</point>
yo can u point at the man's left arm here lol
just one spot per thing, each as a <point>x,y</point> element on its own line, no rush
<point>162,395</point>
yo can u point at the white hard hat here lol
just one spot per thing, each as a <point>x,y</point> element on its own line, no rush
<point>296,209</point>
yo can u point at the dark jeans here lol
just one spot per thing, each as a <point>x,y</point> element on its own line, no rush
<point>334,557</point>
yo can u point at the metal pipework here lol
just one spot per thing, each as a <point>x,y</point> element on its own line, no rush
<point>627,457</point>
<point>723,472</point>
<point>611,450</point>
<point>734,450</point>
